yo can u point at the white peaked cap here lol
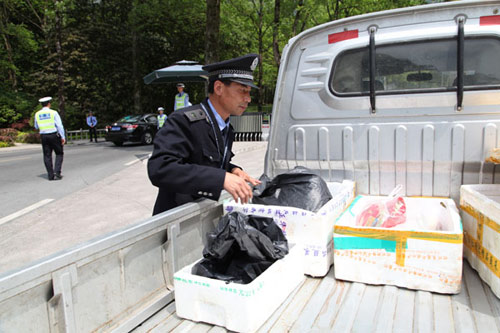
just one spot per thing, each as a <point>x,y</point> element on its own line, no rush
<point>45,99</point>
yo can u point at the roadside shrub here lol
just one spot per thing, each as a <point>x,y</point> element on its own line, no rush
<point>30,138</point>
<point>10,132</point>
<point>6,141</point>
<point>24,124</point>
<point>5,144</point>
<point>21,136</point>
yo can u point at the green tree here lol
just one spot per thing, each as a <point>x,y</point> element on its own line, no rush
<point>93,54</point>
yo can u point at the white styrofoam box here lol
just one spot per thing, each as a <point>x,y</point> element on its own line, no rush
<point>311,231</point>
<point>238,307</point>
<point>413,255</point>
<point>480,206</point>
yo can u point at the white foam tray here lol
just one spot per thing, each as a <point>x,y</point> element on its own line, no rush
<point>312,232</point>
<point>238,307</point>
<point>480,209</point>
<point>415,255</point>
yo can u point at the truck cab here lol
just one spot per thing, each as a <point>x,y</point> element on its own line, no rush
<point>410,96</point>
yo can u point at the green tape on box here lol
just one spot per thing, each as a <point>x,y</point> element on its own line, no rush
<point>358,243</point>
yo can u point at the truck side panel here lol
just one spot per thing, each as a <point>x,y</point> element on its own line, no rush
<point>111,283</point>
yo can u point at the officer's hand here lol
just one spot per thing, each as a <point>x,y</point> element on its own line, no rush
<point>63,141</point>
<point>237,187</point>
<point>242,174</point>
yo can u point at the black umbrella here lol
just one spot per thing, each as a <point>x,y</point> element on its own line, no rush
<point>182,71</point>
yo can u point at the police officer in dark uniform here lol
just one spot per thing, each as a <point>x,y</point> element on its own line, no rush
<point>91,123</point>
<point>192,152</point>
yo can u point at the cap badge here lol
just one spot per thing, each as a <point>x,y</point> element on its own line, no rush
<point>254,63</point>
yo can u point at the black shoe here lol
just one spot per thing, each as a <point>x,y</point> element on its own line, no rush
<point>58,177</point>
<point>51,178</point>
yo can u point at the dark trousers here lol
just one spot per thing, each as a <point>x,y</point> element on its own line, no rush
<point>52,142</point>
<point>92,131</point>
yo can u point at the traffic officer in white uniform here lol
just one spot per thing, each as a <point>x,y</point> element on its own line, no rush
<point>161,117</point>
<point>51,129</point>
<point>192,153</point>
<point>182,98</point>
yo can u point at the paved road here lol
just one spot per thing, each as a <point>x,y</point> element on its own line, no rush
<point>24,179</point>
<point>122,199</point>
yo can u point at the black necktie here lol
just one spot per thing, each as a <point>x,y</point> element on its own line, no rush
<point>224,135</point>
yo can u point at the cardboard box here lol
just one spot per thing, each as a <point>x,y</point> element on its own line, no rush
<point>480,206</point>
<point>312,232</point>
<point>414,254</point>
<point>238,307</point>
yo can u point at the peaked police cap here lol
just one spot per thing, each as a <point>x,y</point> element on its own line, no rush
<point>237,70</point>
<point>45,99</point>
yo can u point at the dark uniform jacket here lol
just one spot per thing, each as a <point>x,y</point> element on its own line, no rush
<point>186,163</point>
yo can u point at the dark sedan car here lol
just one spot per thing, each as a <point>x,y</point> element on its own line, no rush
<point>133,128</point>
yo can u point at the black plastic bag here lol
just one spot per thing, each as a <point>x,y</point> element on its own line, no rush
<point>299,188</point>
<point>241,248</point>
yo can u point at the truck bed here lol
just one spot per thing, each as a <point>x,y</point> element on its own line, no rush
<point>122,282</point>
<point>327,304</point>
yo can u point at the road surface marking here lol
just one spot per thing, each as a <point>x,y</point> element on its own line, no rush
<point>132,162</point>
<point>14,159</point>
<point>24,211</point>
<point>139,159</point>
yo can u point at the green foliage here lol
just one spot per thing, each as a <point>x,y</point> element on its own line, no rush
<point>14,106</point>
<point>107,47</point>
<point>4,144</point>
<point>28,137</point>
<point>8,116</point>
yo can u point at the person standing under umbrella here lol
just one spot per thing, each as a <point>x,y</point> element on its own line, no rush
<point>182,98</point>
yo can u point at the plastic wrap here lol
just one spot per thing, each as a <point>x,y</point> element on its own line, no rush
<point>299,188</point>
<point>241,248</point>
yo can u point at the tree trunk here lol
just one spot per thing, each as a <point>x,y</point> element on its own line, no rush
<point>212,31</point>
<point>260,95</point>
<point>276,25</point>
<point>12,72</point>
<point>137,89</point>
<point>4,21</point>
<point>296,20</point>
<point>60,66</point>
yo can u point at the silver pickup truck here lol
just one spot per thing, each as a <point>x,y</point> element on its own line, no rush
<point>408,96</point>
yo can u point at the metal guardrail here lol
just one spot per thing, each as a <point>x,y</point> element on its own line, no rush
<point>111,283</point>
<point>82,134</point>
<point>248,127</point>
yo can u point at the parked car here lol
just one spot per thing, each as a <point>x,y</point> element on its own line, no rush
<point>133,128</point>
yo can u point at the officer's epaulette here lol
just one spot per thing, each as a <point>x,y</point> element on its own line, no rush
<point>195,115</point>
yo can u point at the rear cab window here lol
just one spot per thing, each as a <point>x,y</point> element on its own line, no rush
<point>416,67</point>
